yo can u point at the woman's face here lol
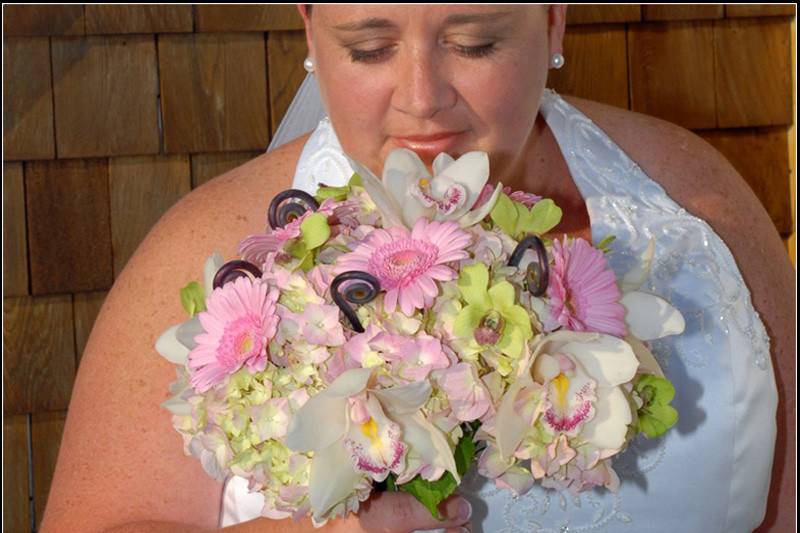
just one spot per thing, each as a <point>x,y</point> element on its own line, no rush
<point>391,72</point>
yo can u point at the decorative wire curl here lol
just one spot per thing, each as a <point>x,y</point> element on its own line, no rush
<point>360,293</point>
<point>538,273</point>
<point>291,202</point>
<point>233,270</point>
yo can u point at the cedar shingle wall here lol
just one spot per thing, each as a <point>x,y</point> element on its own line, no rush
<point>112,113</point>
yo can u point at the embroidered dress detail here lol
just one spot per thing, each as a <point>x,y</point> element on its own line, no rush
<point>720,453</point>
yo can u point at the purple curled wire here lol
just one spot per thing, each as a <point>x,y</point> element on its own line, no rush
<point>233,270</point>
<point>364,289</point>
<point>289,205</point>
<point>538,273</point>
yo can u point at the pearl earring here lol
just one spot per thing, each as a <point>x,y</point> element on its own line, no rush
<point>556,61</point>
<point>308,64</point>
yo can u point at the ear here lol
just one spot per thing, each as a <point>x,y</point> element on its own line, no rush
<point>301,8</point>
<point>557,21</point>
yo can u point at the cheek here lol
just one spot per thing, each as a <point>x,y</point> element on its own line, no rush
<point>505,104</point>
<point>358,110</point>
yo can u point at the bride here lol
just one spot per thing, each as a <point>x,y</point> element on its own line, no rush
<point>460,78</point>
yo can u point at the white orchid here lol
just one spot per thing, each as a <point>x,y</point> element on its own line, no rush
<point>356,431</point>
<point>573,381</point>
<point>408,192</point>
<point>177,341</point>
<point>648,316</point>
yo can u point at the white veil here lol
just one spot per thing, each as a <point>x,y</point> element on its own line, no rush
<point>303,115</point>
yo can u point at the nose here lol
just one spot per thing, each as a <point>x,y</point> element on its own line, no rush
<point>423,87</point>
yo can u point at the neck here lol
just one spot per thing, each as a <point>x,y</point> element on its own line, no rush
<point>540,168</point>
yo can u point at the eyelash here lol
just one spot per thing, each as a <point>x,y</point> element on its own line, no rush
<point>372,56</point>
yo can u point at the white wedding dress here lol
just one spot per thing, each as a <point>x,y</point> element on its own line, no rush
<point>711,472</point>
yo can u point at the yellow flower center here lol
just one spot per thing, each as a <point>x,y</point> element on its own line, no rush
<point>370,430</point>
<point>561,383</point>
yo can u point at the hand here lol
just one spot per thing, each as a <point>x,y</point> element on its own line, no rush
<point>398,512</point>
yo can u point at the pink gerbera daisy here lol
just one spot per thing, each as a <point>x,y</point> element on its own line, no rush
<point>407,263</point>
<point>583,291</point>
<point>239,322</point>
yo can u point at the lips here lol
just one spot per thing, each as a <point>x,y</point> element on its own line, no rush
<point>430,145</point>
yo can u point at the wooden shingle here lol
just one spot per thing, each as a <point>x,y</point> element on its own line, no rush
<point>753,84</point>
<point>761,156</point>
<point>142,189</point>
<point>759,10</point>
<point>28,99</point>
<point>682,11</point>
<point>235,18</point>
<point>39,354</point>
<point>595,65</point>
<point>213,92</point>
<point>603,14</point>
<point>286,52</point>
<point>46,432</point>
<point>16,481</point>
<point>110,19</point>
<point>672,72</point>
<point>69,240</point>
<point>86,307</point>
<point>15,245</point>
<point>206,167</point>
<point>106,101</point>
<point>43,20</point>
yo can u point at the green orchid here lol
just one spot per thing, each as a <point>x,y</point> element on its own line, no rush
<point>193,298</point>
<point>314,232</point>
<point>491,319</point>
<point>656,416</point>
<point>516,220</point>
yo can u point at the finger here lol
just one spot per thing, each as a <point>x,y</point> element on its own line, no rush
<point>466,528</point>
<point>398,512</point>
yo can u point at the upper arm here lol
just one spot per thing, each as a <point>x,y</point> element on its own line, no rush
<point>711,189</point>
<point>120,459</point>
<point>702,181</point>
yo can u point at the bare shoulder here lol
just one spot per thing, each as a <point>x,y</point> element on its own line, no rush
<point>237,200</point>
<point>701,180</point>
<point>120,459</point>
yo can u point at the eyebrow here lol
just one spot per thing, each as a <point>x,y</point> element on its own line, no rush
<point>374,23</point>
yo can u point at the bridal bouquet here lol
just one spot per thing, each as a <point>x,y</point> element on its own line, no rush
<point>389,333</point>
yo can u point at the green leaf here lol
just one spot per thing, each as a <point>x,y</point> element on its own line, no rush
<point>432,493</point>
<point>544,216</point>
<point>307,262</point>
<point>355,181</point>
<point>193,298</point>
<point>337,193</point>
<point>297,248</point>
<point>315,231</point>
<point>603,245</point>
<point>505,215</point>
